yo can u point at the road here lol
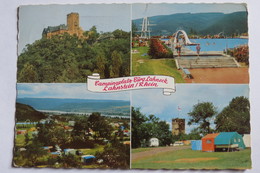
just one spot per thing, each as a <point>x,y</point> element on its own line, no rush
<point>155,151</point>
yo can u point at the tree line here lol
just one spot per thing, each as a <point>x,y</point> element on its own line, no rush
<point>66,58</point>
<point>233,118</point>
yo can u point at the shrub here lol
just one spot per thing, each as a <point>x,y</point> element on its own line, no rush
<point>158,50</point>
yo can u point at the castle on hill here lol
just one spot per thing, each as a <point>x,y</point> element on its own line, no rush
<point>71,28</point>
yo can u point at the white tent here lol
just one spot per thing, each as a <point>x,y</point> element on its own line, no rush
<point>153,142</point>
<point>247,140</point>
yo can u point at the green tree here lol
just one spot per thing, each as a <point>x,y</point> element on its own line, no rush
<point>137,120</point>
<point>28,74</point>
<point>144,128</point>
<point>120,34</point>
<point>101,64</point>
<point>100,126</point>
<point>92,35</point>
<point>27,139</point>
<point>51,133</point>
<point>33,153</point>
<point>116,64</point>
<point>70,161</point>
<point>202,114</point>
<point>115,155</point>
<point>235,117</point>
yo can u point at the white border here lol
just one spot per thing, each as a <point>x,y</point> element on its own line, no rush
<point>8,58</point>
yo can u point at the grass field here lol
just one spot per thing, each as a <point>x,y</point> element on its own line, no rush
<point>140,150</point>
<point>143,65</point>
<point>188,159</point>
<point>92,151</point>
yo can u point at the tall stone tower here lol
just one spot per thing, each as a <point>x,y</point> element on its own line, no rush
<point>73,22</point>
<point>71,28</point>
<point>178,126</point>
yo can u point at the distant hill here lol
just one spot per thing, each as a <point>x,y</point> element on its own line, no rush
<point>230,23</point>
<point>24,112</point>
<point>200,23</point>
<point>117,107</point>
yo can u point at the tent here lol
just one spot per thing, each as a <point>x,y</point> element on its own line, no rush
<point>69,151</point>
<point>153,142</point>
<point>196,145</point>
<point>229,141</point>
<point>87,158</point>
<point>208,142</point>
<point>247,140</point>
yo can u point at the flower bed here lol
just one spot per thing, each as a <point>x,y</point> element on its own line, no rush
<point>159,50</point>
<point>241,53</point>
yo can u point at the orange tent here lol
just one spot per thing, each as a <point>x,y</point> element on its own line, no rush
<point>208,142</point>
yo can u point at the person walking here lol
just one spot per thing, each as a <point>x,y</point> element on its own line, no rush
<point>178,48</point>
<point>198,49</point>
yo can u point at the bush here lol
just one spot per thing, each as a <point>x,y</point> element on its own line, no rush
<point>241,53</point>
<point>158,50</point>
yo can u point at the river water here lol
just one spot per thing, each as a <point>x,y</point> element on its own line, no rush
<point>217,44</point>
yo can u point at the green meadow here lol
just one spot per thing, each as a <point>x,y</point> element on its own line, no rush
<point>189,159</point>
<point>144,65</point>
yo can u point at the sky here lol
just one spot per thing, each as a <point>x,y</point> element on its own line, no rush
<point>148,10</point>
<point>152,101</point>
<point>60,90</point>
<point>106,17</point>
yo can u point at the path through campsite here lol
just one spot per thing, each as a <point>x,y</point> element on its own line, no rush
<point>154,151</point>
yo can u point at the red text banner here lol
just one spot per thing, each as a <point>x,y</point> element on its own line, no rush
<point>95,84</point>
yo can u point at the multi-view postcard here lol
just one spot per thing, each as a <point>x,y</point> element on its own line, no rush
<point>133,86</point>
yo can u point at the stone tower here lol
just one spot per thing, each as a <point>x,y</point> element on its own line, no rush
<point>178,126</point>
<point>71,28</point>
<point>73,22</point>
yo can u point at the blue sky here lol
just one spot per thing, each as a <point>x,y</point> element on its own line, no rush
<point>106,17</point>
<point>152,101</point>
<point>59,90</point>
<point>148,10</point>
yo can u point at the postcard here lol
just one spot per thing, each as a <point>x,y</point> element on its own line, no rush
<point>133,86</point>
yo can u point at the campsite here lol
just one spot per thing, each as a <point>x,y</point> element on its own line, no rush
<point>61,141</point>
<point>225,150</point>
<point>201,135</point>
<point>71,132</point>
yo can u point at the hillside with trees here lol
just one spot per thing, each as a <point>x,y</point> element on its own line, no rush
<point>66,58</point>
<point>24,112</point>
<point>198,23</point>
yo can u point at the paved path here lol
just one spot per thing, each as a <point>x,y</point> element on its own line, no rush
<point>155,151</point>
<point>219,75</point>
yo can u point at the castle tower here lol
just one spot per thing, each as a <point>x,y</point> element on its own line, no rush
<point>71,28</point>
<point>73,22</point>
<point>178,126</point>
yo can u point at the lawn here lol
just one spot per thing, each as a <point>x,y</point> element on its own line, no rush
<point>92,151</point>
<point>137,150</point>
<point>188,159</point>
<point>144,65</point>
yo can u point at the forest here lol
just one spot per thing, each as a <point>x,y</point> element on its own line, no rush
<point>68,59</point>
